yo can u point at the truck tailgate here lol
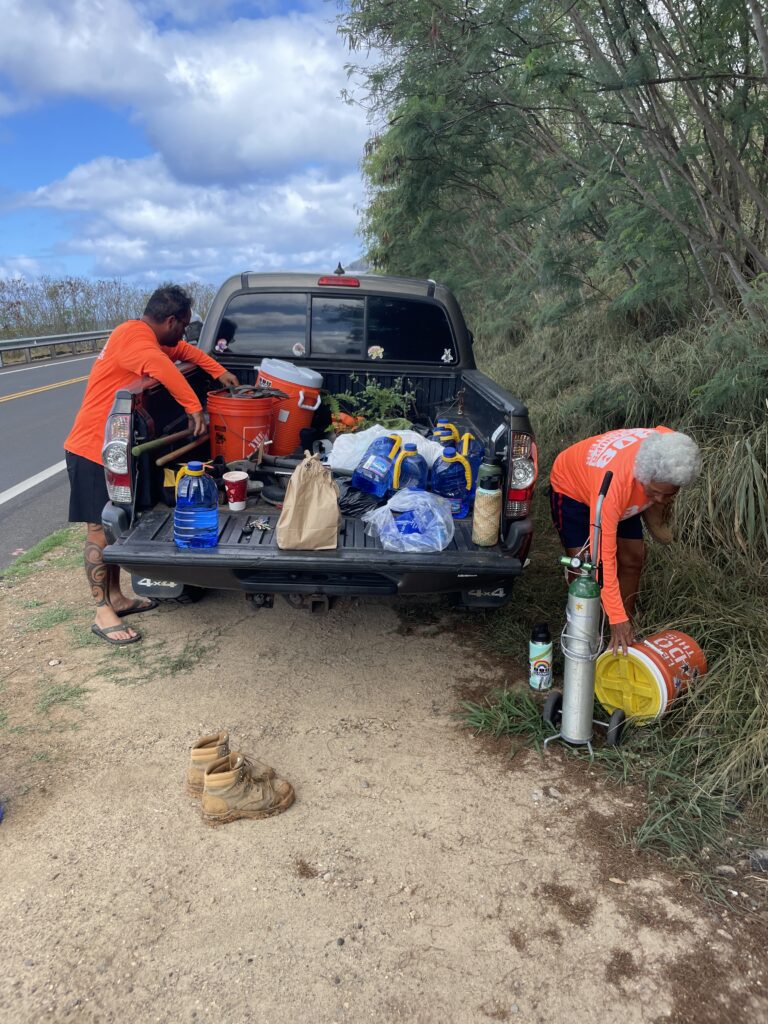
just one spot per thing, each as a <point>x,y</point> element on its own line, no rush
<point>252,561</point>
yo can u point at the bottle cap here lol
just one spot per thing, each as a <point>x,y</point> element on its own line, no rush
<point>540,633</point>
<point>449,452</point>
<point>411,447</point>
<point>195,467</point>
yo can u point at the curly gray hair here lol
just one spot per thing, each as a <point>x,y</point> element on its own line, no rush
<point>668,458</point>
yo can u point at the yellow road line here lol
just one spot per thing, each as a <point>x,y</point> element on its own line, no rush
<point>45,387</point>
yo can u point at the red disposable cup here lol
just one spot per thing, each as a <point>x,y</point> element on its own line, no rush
<point>236,486</point>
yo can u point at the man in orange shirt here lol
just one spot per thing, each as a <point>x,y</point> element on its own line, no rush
<point>649,467</point>
<point>146,347</point>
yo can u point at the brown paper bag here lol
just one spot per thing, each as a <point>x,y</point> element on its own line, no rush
<point>310,517</point>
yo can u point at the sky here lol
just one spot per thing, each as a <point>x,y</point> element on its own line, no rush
<point>184,140</point>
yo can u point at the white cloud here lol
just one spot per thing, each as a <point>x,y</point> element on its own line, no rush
<point>132,215</point>
<point>256,159</point>
<point>229,102</point>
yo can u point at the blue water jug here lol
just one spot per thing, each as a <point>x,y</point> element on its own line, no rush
<point>452,479</point>
<point>410,469</point>
<point>196,516</point>
<point>445,432</point>
<point>473,451</point>
<point>375,470</point>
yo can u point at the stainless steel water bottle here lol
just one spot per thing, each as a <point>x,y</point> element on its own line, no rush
<point>540,657</point>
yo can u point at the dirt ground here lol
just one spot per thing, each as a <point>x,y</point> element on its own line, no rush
<point>423,874</point>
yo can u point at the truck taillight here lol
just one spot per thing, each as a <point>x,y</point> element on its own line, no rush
<point>116,453</point>
<point>521,476</point>
<point>339,281</point>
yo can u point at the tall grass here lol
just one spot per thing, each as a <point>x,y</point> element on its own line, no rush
<point>708,761</point>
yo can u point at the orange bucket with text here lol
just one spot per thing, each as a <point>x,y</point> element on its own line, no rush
<point>644,682</point>
<point>239,423</point>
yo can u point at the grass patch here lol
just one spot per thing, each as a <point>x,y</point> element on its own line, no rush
<point>29,562</point>
<point>139,664</point>
<point>61,694</point>
<point>32,603</point>
<point>50,617</point>
<point>507,713</point>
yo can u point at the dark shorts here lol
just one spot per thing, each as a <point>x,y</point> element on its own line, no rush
<point>88,489</point>
<point>571,519</point>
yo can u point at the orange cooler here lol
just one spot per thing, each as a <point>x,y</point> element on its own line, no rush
<point>295,413</point>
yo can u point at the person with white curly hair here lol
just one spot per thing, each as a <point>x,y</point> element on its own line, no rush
<point>649,467</point>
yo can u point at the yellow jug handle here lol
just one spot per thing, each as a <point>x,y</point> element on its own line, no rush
<point>179,475</point>
<point>465,439</point>
<point>396,443</point>
<point>398,465</point>
<point>453,429</point>
<point>465,464</point>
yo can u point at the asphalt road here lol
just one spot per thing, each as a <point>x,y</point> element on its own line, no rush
<point>37,407</point>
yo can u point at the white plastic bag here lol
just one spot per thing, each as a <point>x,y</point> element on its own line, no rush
<point>348,449</point>
<point>429,517</point>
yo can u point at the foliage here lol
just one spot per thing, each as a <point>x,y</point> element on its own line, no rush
<point>610,150</point>
<point>387,404</point>
<point>72,304</point>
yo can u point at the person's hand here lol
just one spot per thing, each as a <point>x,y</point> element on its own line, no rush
<point>196,423</point>
<point>228,380</point>
<point>622,635</point>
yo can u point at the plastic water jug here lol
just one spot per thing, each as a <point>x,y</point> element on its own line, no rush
<point>452,479</point>
<point>196,516</point>
<point>473,451</point>
<point>375,470</point>
<point>448,431</point>
<point>410,469</point>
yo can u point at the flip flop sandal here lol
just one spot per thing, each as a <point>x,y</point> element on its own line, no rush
<point>103,634</point>
<point>137,608</point>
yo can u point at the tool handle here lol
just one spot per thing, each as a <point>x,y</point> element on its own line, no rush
<point>171,456</point>
<point>159,442</point>
<point>606,483</point>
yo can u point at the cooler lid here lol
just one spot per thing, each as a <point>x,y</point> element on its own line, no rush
<point>281,369</point>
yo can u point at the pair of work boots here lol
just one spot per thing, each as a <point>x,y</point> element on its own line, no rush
<point>233,786</point>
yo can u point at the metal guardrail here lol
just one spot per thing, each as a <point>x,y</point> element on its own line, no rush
<point>52,342</point>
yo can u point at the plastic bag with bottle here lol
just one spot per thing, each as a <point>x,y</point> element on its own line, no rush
<point>412,520</point>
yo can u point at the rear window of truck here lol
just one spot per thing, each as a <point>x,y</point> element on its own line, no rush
<point>363,328</point>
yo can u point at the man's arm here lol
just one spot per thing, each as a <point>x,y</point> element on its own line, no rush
<point>188,353</point>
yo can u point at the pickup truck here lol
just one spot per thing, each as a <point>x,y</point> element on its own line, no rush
<point>348,328</point>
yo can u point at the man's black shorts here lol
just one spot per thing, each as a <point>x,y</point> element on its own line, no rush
<point>88,489</point>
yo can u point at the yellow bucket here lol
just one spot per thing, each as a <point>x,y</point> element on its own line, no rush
<point>645,681</point>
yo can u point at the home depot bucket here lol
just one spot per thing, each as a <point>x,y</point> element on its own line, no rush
<point>239,423</point>
<point>645,681</point>
<point>295,413</point>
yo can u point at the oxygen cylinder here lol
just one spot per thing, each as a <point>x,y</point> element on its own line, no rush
<point>580,642</point>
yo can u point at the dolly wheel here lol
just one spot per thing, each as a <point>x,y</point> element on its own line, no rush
<point>615,728</point>
<point>552,707</point>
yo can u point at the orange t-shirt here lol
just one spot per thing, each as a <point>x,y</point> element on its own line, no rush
<point>132,351</point>
<point>578,473</point>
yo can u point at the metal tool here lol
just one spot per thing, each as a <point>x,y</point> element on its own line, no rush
<point>582,644</point>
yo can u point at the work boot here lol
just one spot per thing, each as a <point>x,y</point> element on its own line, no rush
<point>231,790</point>
<point>656,519</point>
<point>209,749</point>
<point>203,753</point>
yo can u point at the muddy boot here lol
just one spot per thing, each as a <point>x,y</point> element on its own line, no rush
<point>203,753</point>
<point>231,790</point>
<point>656,519</point>
<point>212,748</point>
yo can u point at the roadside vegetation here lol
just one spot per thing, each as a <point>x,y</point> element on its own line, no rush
<point>591,181</point>
<point>69,305</point>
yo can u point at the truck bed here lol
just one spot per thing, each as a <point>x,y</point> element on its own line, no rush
<point>252,561</point>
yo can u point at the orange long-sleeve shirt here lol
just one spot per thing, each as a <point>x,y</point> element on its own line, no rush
<point>132,351</point>
<point>578,473</point>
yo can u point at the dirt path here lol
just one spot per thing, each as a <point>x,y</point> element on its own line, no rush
<point>419,877</point>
